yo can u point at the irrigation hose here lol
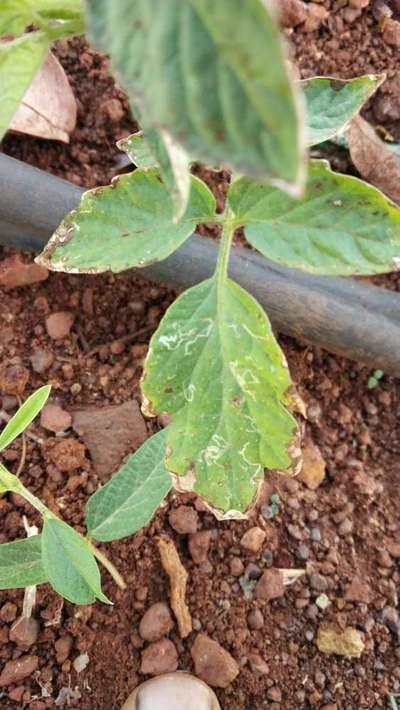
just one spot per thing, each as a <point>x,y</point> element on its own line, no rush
<point>342,315</point>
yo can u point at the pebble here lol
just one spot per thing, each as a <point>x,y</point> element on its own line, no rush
<point>274,694</point>
<point>255,619</point>
<point>303,552</point>
<point>257,664</point>
<point>318,582</point>
<point>391,32</point>
<point>55,418</point>
<point>159,657</point>
<point>58,325</point>
<point>156,622</point>
<point>270,585</point>
<point>253,539</point>
<point>41,361</point>
<point>393,549</point>
<point>63,647</point>
<point>345,527</point>
<point>24,631</point>
<point>19,669</point>
<point>315,534</point>
<point>199,544</point>
<point>348,643</point>
<point>358,591</point>
<point>236,566</point>
<point>68,455</point>
<point>291,12</point>
<point>314,465</point>
<point>212,663</point>
<point>8,612</point>
<point>15,273</point>
<point>391,619</point>
<point>13,380</point>
<point>183,519</point>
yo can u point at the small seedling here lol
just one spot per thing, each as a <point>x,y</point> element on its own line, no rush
<point>60,555</point>
<point>373,381</point>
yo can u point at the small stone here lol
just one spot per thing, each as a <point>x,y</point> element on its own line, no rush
<point>253,539</point>
<point>303,552</point>
<point>159,657</point>
<point>156,622</point>
<point>24,631</point>
<point>315,17</point>
<point>359,4</point>
<point>291,12</point>
<point>41,361</point>
<point>391,619</point>
<point>236,567</point>
<point>58,325</point>
<point>13,379</point>
<point>348,643</point>
<point>384,559</point>
<point>274,694</point>
<point>391,32</point>
<point>8,612</point>
<point>114,110</point>
<point>257,664</point>
<point>255,619</point>
<point>314,466</point>
<point>183,519</point>
<point>15,273</point>
<point>323,602</point>
<point>17,670</point>
<point>358,591</point>
<point>199,544</point>
<point>318,582</point>
<point>63,648</point>
<point>81,662</point>
<point>393,549</point>
<point>67,454</point>
<point>212,663</point>
<point>270,585</point>
<point>345,527</point>
<point>55,418</point>
<point>315,534</point>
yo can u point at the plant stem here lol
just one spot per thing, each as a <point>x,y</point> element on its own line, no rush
<point>224,248</point>
<point>117,577</point>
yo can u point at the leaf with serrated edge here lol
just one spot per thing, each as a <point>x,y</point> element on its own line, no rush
<point>212,74</point>
<point>332,103</point>
<point>214,365</point>
<point>21,563</point>
<point>24,416</point>
<point>127,224</point>
<point>342,226</point>
<point>69,564</point>
<point>20,60</point>
<point>128,501</point>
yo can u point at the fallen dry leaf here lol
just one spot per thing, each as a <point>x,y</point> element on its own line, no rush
<point>178,580</point>
<point>48,109</point>
<point>375,162</point>
<point>110,433</point>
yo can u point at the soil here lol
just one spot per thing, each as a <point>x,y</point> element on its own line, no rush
<point>338,533</point>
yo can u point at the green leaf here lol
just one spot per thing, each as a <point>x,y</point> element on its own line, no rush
<point>15,16</point>
<point>129,500</point>
<point>69,563</point>
<point>213,75</point>
<point>24,416</point>
<point>160,150</point>
<point>21,563</point>
<point>215,366</point>
<point>332,103</point>
<point>20,60</point>
<point>138,150</point>
<point>341,226</point>
<point>129,223</point>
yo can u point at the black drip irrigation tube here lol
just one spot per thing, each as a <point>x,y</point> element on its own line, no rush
<point>344,316</point>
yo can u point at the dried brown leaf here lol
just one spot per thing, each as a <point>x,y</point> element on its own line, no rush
<point>48,109</point>
<point>373,159</point>
<point>178,579</point>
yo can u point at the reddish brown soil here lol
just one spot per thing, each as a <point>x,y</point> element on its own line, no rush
<point>341,530</point>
